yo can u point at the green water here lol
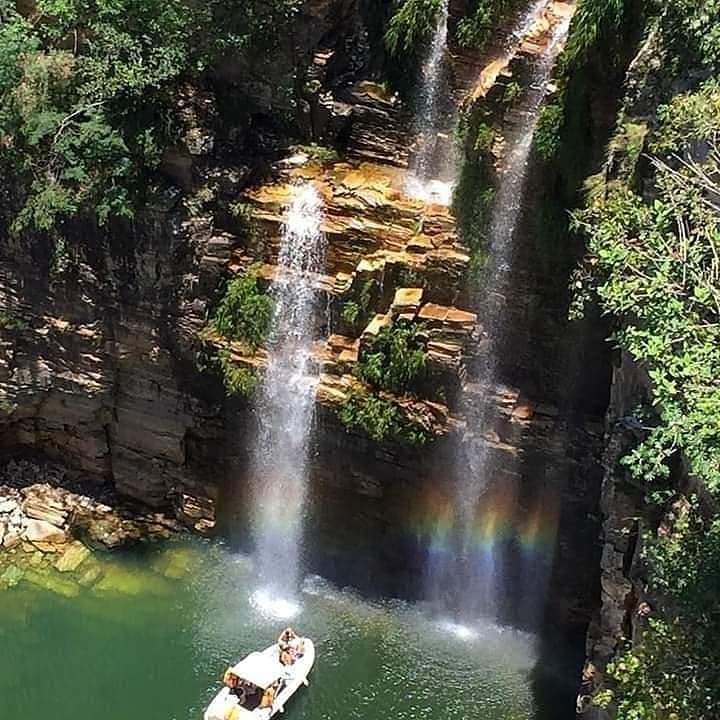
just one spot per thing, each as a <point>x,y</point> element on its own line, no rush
<point>150,635</point>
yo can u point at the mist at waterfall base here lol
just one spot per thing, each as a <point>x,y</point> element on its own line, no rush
<point>284,407</point>
<point>478,564</point>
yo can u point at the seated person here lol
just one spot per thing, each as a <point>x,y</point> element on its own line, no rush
<point>286,638</point>
<point>230,679</point>
<point>287,656</point>
<point>290,642</point>
<point>269,696</point>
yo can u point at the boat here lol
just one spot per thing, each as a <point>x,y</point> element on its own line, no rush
<point>261,677</point>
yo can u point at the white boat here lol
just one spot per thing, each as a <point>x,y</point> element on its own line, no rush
<point>258,672</point>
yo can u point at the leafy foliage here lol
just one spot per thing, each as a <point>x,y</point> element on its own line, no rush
<point>10,321</point>
<point>86,88</point>
<point>687,118</point>
<point>595,22</point>
<point>692,29</point>
<point>656,269</point>
<point>356,312</point>
<point>395,360</point>
<point>653,265</point>
<point>411,24</point>
<point>238,380</point>
<point>547,138</point>
<point>675,672</point>
<point>477,27</point>
<point>244,312</point>
<point>382,420</point>
<point>350,312</point>
<point>485,137</point>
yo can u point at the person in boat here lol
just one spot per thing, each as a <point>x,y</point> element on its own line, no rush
<point>269,695</point>
<point>238,687</point>
<point>287,637</point>
<point>231,680</point>
<point>286,657</point>
<point>291,646</point>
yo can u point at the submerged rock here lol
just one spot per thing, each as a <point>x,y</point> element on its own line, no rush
<point>11,576</point>
<point>73,556</point>
<point>90,575</point>
<point>128,581</point>
<point>48,580</point>
<point>175,562</point>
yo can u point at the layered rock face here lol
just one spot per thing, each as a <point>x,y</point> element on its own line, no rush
<point>100,368</point>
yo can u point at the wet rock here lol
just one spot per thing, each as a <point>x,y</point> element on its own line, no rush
<point>110,532</point>
<point>40,531</point>
<point>73,556</point>
<point>48,580</point>
<point>122,580</point>
<point>11,576</point>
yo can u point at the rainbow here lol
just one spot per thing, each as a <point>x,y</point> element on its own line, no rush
<point>498,519</point>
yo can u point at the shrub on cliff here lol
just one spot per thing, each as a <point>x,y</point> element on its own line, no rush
<point>395,360</point>
<point>654,266</point>
<point>382,419</point>
<point>413,23</point>
<point>238,380</point>
<point>675,671</point>
<point>244,312</point>
<point>482,20</point>
<point>692,29</point>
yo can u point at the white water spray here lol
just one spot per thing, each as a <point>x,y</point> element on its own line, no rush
<point>427,179</point>
<point>284,407</point>
<point>470,582</point>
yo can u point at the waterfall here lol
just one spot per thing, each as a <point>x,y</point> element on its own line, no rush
<point>428,177</point>
<point>467,564</point>
<point>285,403</point>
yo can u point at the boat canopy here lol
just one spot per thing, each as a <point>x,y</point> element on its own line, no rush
<point>259,668</point>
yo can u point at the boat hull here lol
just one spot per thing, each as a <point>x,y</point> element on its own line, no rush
<point>225,706</point>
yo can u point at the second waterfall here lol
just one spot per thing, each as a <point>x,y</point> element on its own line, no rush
<point>285,405</point>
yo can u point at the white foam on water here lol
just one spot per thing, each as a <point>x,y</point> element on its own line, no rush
<point>273,606</point>
<point>459,630</point>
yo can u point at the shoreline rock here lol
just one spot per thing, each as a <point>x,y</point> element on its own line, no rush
<point>37,508</point>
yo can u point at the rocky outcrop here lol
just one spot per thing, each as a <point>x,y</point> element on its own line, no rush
<point>40,511</point>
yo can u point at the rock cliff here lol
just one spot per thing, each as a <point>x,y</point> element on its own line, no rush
<point>99,366</point>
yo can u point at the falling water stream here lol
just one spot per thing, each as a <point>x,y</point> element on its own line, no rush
<point>428,177</point>
<point>466,566</point>
<point>284,407</point>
